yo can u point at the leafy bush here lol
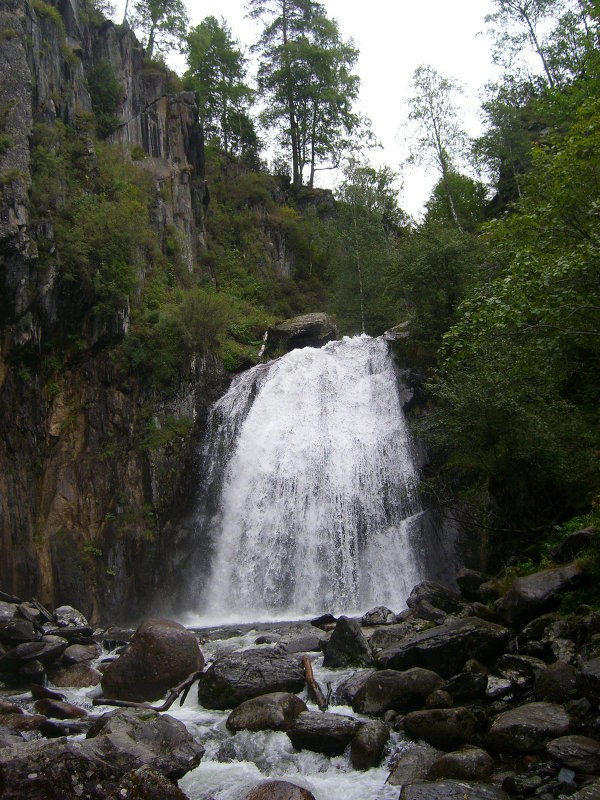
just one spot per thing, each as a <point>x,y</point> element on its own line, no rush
<point>106,94</point>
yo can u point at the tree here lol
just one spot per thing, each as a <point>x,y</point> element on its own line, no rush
<point>469,198</point>
<point>217,71</point>
<point>162,22</point>
<point>305,75</point>
<point>441,140</point>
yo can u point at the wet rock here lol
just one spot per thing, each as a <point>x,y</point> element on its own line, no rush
<point>22,722</point>
<point>54,728</point>
<point>308,330</point>
<point>76,676</point>
<point>325,621</point>
<point>446,728</point>
<point>275,712</point>
<point>590,792</point>
<point>467,686</point>
<point>279,790</point>
<point>146,783</point>
<point>80,634</point>
<point>58,709</point>
<point>497,687</point>
<point>161,654</point>
<point>46,650</point>
<point>347,646</point>
<point>401,691</point>
<point>527,728</point>
<point>451,790</point>
<point>555,682</point>
<point>17,630</point>
<point>522,784</point>
<point>67,616</point>
<point>436,595</point>
<point>439,699</point>
<point>579,753</point>
<point>587,678</point>
<point>323,732</point>
<point>346,691</point>
<point>33,672</point>
<point>444,649</point>
<point>521,671</point>
<point>368,745</point>
<point>305,644</point>
<point>469,763</point>
<point>240,676</point>
<point>267,638</point>
<point>532,595</point>
<point>6,707</point>
<point>469,581</point>
<point>9,737</point>
<point>117,743</point>
<point>388,635</point>
<point>78,653</point>
<point>41,692</point>
<point>379,616</point>
<point>413,764</point>
<point>7,611</point>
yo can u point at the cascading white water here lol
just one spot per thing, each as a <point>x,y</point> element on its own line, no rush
<point>318,497</point>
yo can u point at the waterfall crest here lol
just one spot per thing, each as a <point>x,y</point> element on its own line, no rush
<point>312,467</point>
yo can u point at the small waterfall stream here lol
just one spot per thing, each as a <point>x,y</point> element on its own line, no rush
<point>313,484</point>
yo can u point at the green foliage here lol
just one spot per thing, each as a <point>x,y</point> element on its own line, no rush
<point>164,432</point>
<point>162,23</point>
<point>50,12</point>
<point>106,94</point>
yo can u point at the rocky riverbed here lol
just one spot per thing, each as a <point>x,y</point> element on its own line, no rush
<point>476,695</point>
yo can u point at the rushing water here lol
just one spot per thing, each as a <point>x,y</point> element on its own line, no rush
<point>311,473</point>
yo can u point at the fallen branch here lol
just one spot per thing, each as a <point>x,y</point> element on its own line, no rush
<point>314,690</point>
<point>174,693</point>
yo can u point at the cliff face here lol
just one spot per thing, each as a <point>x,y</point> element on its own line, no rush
<point>93,472</point>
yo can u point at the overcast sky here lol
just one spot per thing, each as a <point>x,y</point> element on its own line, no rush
<point>394,37</point>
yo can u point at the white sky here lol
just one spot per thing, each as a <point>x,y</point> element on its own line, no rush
<point>394,37</point>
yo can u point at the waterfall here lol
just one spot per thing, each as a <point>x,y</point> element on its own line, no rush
<point>311,471</point>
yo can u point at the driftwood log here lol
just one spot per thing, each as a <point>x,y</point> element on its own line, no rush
<point>181,689</point>
<point>314,690</point>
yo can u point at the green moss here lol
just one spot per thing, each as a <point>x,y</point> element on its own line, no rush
<point>166,431</point>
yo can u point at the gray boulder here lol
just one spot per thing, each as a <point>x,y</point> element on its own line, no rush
<point>446,728</point>
<point>469,581</point>
<point>308,330</point>
<point>77,676</point>
<point>452,790</point>
<point>555,682</point>
<point>437,596</point>
<point>146,783</point>
<point>78,653</point>
<point>445,649</point>
<point>274,712</point>
<point>279,790</point>
<point>346,691</point>
<point>572,544</point>
<point>240,676</point>
<point>535,594</point>
<point>69,616</point>
<point>401,691</point>
<point>368,745</point>
<point>413,764</point>
<point>8,611</point>
<point>587,678</point>
<point>379,616</point>
<point>469,763</point>
<point>385,636</point>
<point>323,732</point>
<point>579,753</point>
<point>526,729</point>
<point>161,654</point>
<point>347,646</point>
<point>118,743</point>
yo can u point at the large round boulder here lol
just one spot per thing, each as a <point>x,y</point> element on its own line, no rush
<point>270,712</point>
<point>368,745</point>
<point>323,732</point>
<point>400,691</point>
<point>347,646</point>
<point>468,763</point>
<point>161,654</point>
<point>240,676</point>
<point>446,728</point>
<point>535,594</point>
<point>579,753</point>
<point>279,790</point>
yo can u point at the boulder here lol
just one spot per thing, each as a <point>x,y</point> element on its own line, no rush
<point>444,649</point>
<point>379,616</point>
<point>413,764</point>
<point>161,654</point>
<point>520,671</point>
<point>58,709</point>
<point>526,729</point>
<point>279,790</point>
<point>347,646</point>
<point>446,728</point>
<point>587,678</point>
<point>323,732</point>
<point>346,691</point>
<point>117,743</point>
<point>67,616</point>
<point>308,330</point>
<point>240,676</point>
<point>437,596</point>
<point>572,545</point>
<point>76,676</point>
<point>535,594</point>
<point>325,622</point>
<point>17,630</point>
<point>78,653</point>
<point>401,691</point>
<point>469,581</point>
<point>305,644</point>
<point>452,790</point>
<point>467,686</point>
<point>555,682</point>
<point>22,722</point>
<point>274,712</point>
<point>579,753</point>
<point>468,763</point>
<point>8,611</point>
<point>368,745</point>
<point>439,699</point>
<point>46,650</point>
<point>146,783</point>
<point>590,792</point>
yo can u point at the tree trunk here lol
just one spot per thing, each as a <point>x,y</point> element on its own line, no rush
<point>538,49</point>
<point>150,47</point>
<point>296,175</point>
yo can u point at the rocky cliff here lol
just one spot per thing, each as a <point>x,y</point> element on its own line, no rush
<point>93,470</point>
